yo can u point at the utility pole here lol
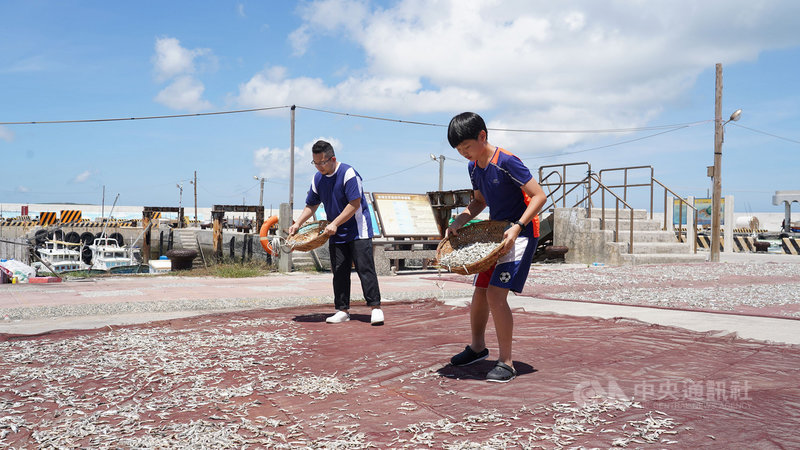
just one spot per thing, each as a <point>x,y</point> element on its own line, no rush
<point>195,196</point>
<point>180,194</point>
<point>441,171</point>
<point>440,159</point>
<point>261,194</point>
<point>291,165</point>
<point>716,198</point>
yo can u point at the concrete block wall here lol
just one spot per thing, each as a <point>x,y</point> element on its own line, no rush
<point>588,243</point>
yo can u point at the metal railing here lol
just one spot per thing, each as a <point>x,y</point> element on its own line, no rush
<point>625,185</point>
<point>562,184</point>
<point>605,189</point>
<point>559,189</point>
<point>680,215</point>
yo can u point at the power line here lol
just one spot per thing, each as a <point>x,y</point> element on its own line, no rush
<point>172,116</point>
<point>609,130</point>
<point>362,116</point>
<point>514,130</point>
<point>764,132</point>
<point>617,143</point>
<point>385,119</point>
<point>399,171</point>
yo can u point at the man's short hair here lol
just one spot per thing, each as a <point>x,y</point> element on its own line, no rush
<point>323,147</point>
<point>466,125</point>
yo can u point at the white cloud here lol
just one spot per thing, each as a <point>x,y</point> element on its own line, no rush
<point>299,40</point>
<point>395,94</point>
<point>177,64</point>
<point>6,134</point>
<point>240,10</point>
<point>82,177</point>
<point>23,189</point>
<point>273,163</point>
<point>271,87</point>
<point>185,93</point>
<point>328,16</point>
<point>527,64</point>
<point>171,59</point>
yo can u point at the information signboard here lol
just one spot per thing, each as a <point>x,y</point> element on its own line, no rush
<point>405,215</point>
<point>704,211</point>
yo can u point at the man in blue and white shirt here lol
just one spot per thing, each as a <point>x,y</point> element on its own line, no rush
<point>339,187</point>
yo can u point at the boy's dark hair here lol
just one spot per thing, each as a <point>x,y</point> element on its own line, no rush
<point>323,147</point>
<point>466,125</point>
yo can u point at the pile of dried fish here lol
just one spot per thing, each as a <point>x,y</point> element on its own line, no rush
<point>467,254</point>
<point>678,285</point>
<point>319,387</point>
<point>557,425</point>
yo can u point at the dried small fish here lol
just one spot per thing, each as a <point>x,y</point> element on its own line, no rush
<point>467,254</point>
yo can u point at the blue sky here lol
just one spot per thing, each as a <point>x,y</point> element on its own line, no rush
<point>523,65</point>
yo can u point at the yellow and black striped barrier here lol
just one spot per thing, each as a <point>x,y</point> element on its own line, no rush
<point>741,244</point>
<point>18,223</point>
<point>70,216</point>
<point>88,224</point>
<point>748,231</point>
<point>790,246</point>
<point>704,242</point>
<point>47,218</point>
<point>744,244</point>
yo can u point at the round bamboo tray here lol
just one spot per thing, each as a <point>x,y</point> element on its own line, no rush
<point>485,231</point>
<point>308,237</point>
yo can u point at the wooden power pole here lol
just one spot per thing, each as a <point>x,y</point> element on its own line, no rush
<point>716,198</point>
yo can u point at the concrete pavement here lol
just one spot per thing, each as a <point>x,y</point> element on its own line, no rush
<point>31,309</point>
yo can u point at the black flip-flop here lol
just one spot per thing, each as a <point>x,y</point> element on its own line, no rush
<point>502,373</point>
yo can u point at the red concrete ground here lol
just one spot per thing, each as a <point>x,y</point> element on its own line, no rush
<point>285,378</point>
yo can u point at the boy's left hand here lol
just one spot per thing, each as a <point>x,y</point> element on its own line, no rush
<point>509,237</point>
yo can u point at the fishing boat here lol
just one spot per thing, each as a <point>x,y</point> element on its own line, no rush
<point>60,257</point>
<point>106,254</point>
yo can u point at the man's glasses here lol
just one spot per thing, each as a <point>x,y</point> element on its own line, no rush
<point>314,163</point>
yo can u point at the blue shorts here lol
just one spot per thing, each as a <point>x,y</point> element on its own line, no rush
<point>511,270</point>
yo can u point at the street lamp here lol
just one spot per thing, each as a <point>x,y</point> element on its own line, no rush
<point>261,196</point>
<point>716,199</point>
<point>441,168</point>
<point>180,194</point>
<point>180,204</point>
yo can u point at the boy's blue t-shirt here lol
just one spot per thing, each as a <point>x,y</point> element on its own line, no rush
<point>500,184</point>
<point>335,191</point>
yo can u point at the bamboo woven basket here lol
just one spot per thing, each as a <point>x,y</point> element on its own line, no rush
<point>485,231</point>
<point>308,237</point>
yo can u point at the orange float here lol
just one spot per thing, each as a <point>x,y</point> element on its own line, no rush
<point>264,232</point>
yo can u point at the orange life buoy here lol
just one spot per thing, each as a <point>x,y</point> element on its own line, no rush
<point>264,232</point>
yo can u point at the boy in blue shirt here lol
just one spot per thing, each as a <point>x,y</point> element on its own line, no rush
<point>501,181</point>
<point>338,186</point>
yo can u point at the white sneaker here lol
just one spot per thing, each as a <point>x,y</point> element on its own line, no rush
<point>377,317</point>
<point>339,317</point>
